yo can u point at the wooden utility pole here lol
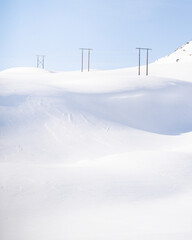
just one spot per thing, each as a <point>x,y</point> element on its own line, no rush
<point>147,60</point>
<point>82,58</point>
<point>139,71</point>
<point>89,59</point>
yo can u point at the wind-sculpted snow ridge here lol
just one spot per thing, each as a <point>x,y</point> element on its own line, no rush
<point>99,155</point>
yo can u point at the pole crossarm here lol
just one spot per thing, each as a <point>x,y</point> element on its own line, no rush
<point>144,48</point>
<point>86,48</point>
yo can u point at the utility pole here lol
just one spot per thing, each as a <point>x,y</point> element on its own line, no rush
<point>89,59</point>
<point>41,61</point>
<point>139,70</point>
<point>147,60</point>
<point>82,57</point>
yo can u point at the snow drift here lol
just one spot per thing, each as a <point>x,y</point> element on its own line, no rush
<point>99,155</point>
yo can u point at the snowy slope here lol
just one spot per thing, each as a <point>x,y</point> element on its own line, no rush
<point>99,155</point>
<point>176,65</point>
<point>182,54</point>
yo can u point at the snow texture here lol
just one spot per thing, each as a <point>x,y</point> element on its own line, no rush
<point>99,155</point>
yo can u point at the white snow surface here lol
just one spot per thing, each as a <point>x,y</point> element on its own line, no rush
<point>99,155</point>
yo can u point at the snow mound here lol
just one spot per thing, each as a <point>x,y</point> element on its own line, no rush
<point>24,70</point>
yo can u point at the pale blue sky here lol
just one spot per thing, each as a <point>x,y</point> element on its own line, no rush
<point>113,28</point>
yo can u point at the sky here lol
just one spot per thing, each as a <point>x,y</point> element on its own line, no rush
<point>112,28</point>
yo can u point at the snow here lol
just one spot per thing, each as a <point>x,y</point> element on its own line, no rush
<point>176,65</point>
<point>182,54</point>
<point>98,155</point>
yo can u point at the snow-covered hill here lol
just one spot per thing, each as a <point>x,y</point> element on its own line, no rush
<point>99,155</point>
<point>182,54</point>
<point>176,65</point>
